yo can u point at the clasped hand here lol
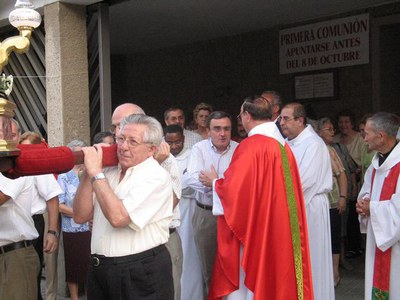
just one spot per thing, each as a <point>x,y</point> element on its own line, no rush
<point>207,177</point>
<point>362,207</point>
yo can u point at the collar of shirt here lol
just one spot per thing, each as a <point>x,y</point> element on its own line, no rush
<point>382,157</point>
<point>216,150</point>
<point>143,164</point>
<point>268,129</point>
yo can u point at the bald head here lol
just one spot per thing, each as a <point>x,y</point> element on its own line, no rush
<point>123,111</point>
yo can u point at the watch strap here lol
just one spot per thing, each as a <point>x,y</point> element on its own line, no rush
<point>98,176</point>
<point>53,232</point>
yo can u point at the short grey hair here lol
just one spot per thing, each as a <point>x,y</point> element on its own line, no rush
<point>321,122</point>
<point>386,122</point>
<point>153,134</point>
<point>76,143</point>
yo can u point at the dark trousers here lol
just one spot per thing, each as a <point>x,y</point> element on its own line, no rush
<point>146,275</point>
<point>353,229</point>
<point>336,228</point>
<point>38,244</point>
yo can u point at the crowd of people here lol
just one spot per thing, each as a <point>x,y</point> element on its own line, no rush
<point>191,212</point>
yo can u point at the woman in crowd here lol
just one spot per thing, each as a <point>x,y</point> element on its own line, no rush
<point>104,137</point>
<point>76,237</point>
<point>354,143</point>
<point>200,115</point>
<point>337,197</point>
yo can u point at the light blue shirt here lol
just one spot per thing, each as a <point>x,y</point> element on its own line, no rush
<point>69,183</point>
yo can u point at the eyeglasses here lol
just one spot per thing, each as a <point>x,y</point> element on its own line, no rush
<point>176,143</point>
<point>328,129</point>
<point>239,116</point>
<point>131,142</point>
<point>287,119</point>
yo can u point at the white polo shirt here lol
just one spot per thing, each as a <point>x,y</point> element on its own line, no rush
<point>47,188</point>
<point>16,223</point>
<point>146,192</point>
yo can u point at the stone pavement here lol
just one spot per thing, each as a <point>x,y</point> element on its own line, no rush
<point>351,286</point>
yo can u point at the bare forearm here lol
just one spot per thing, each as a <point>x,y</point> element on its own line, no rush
<point>67,211</point>
<point>83,202</point>
<point>176,200</point>
<point>3,198</point>
<point>111,206</point>
<point>52,211</point>
<point>342,180</point>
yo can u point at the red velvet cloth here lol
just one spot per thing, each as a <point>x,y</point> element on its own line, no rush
<point>256,215</point>
<point>38,159</point>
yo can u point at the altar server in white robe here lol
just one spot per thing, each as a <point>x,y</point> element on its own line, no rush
<point>378,206</point>
<point>191,279</point>
<point>313,161</point>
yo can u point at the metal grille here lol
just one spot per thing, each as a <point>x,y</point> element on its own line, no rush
<point>99,68</point>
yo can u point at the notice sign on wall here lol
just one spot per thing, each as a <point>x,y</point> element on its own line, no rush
<point>314,86</point>
<point>331,44</point>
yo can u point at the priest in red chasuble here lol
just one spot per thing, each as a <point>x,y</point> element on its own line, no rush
<point>263,250</point>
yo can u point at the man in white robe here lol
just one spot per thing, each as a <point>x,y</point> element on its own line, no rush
<point>191,279</point>
<point>314,164</point>
<point>378,206</point>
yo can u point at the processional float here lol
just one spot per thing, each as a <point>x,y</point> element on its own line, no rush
<point>24,160</point>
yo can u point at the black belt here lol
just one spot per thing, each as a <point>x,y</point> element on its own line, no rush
<point>37,216</point>
<point>98,260</point>
<point>15,246</point>
<point>203,206</point>
<point>172,230</point>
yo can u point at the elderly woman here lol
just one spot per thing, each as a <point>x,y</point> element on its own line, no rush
<point>200,115</point>
<point>76,237</point>
<point>337,197</point>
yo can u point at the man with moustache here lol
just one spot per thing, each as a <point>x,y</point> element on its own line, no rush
<point>315,169</point>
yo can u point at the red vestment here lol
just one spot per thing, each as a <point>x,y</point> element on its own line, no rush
<point>257,216</point>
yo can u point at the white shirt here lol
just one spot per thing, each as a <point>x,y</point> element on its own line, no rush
<point>182,159</point>
<point>146,193</point>
<point>16,223</point>
<point>191,138</point>
<point>171,166</point>
<point>47,188</point>
<point>204,154</point>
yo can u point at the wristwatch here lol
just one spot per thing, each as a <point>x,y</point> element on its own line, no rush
<point>54,232</point>
<point>99,176</point>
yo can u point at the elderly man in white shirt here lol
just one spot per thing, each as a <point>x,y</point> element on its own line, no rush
<point>216,151</point>
<point>131,212</point>
<point>168,162</point>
